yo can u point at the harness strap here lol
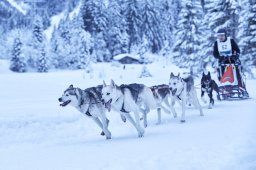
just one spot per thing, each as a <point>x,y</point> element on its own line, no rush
<point>122,109</point>
<point>88,113</point>
<point>180,93</point>
<point>81,103</point>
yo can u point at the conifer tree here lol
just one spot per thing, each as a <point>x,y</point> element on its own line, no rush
<point>18,62</point>
<point>188,35</point>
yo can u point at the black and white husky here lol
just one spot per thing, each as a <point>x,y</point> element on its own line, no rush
<point>184,90</point>
<point>88,102</point>
<point>162,95</point>
<point>208,85</point>
<point>128,98</point>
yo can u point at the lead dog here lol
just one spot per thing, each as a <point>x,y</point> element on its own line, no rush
<point>88,102</point>
<point>128,98</point>
<point>184,90</point>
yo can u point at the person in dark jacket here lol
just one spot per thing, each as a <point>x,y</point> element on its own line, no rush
<point>226,50</point>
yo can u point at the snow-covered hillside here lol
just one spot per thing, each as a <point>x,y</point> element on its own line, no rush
<point>36,133</point>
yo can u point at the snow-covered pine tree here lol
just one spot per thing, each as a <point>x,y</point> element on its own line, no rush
<point>115,34</point>
<point>150,25</point>
<point>18,61</point>
<point>100,50</point>
<point>169,10</point>
<point>209,35</point>
<point>94,16</point>
<point>81,44</point>
<point>130,9</point>
<point>188,35</point>
<point>247,32</point>
<point>60,44</point>
<point>225,14</point>
<point>42,63</point>
<point>95,22</point>
<point>39,58</point>
<point>3,45</point>
<point>54,48</point>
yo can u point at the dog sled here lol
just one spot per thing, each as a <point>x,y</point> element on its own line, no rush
<point>231,80</point>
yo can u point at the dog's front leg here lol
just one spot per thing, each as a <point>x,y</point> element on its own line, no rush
<point>202,95</point>
<point>105,130</point>
<point>183,105</point>
<point>145,118</point>
<point>196,102</point>
<point>211,100</point>
<point>136,125</point>
<point>103,127</point>
<point>170,106</point>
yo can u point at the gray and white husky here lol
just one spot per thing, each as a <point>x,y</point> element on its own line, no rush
<point>88,102</point>
<point>128,98</point>
<point>161,94</point>
<point>184,90</point>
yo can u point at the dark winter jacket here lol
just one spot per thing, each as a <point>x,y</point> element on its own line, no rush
<point>235,50</point>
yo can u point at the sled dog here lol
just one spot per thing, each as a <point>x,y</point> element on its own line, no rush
<point>208,85</point>
<point>161,95</point>
<point>184,90</point>
<point>128,98</point>
<point>88,102</point>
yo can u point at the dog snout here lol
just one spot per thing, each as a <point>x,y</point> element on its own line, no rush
<point>102,100</point>
<point>60,99</point>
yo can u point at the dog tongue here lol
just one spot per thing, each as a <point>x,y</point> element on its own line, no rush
<point>108,105</point>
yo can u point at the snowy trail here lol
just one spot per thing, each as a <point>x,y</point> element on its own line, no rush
<point>35,133</point>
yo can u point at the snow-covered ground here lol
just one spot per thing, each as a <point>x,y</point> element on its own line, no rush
<point>37,134</point>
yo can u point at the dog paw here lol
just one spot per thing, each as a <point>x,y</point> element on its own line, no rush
<point>102,133</point>
<point>141,135</point>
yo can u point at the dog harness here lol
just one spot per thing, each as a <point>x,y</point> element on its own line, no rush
<point>178,96</point>
<point>122,109</point>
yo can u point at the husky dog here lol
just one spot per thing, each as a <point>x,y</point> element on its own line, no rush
<point>208,85</point>
<point>128,98</point>
<point>184,90</point>
<point>88,102</point>
<point>162,94</point>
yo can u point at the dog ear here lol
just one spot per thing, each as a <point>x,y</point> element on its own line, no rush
<point>203,74</point>
<point>104,84</point>
<point>112,83</point>
<point>71,86</point>
<point>171,75</point>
